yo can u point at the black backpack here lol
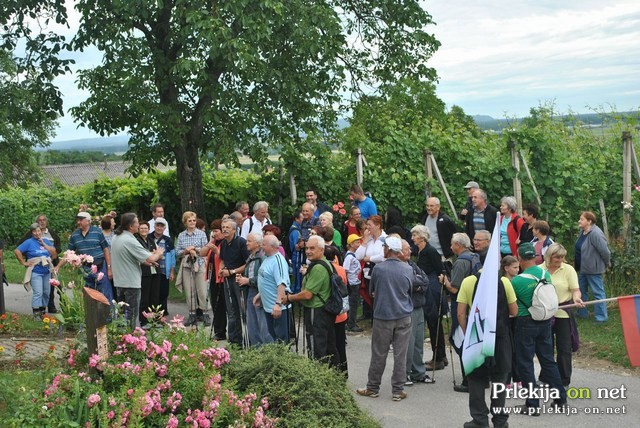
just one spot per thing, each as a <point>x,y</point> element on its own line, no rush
<point>338,289</point>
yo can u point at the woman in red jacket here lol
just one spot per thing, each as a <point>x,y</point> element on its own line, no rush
<point>510,226</point>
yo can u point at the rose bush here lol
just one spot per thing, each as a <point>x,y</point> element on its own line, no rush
<point>167,377</point>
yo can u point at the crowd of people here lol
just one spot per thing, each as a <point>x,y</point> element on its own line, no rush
<point>250,275</point>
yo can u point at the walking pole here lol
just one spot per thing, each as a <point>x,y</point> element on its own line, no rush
<point>194,295</point>
<point>435,349</point>
<point>243,327</point>
<point>212,280</point>
<point>453,372</point>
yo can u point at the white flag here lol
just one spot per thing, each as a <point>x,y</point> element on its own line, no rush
<point>480,337</point>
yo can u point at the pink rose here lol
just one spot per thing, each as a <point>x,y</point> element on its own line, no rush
<point>340,205</point>
<point>94,269</point>
<point>100,276</point>
<point>93,400</point>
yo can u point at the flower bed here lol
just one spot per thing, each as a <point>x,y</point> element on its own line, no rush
<point>168,377</point>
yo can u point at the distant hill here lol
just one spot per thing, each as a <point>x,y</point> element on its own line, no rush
<point>479,118</point>
<point>118,144</point>
<point>590,119</point>
<point>105,144</point>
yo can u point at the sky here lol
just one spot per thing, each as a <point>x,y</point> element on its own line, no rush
<point>501,58</point>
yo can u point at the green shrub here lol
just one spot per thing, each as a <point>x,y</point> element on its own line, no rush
<point>301,392</point>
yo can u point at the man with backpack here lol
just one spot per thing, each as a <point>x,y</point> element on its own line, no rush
<point>316,290</point>
<point>533,329</point>
<point>467,263</point>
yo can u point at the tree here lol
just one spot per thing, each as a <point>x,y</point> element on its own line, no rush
<point>31,103</point>
<point>189,78</point>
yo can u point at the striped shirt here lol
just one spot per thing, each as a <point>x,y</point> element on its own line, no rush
<point>92,244</point>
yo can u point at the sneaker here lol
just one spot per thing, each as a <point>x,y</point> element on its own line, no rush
<point>426,379</point>
<point>191,320</point>
<point>206,320</point>
<point>398,397</point>
<point>365,392</point>
<point>408,382</point>
<point>355,329</point>
<point>528,411</point>
<point>219,337</point>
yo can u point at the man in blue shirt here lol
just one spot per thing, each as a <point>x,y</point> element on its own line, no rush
<point>89,240</point>
<point>362,201</point>
<point>273,282</point>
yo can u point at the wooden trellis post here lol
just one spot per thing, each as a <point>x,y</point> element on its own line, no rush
<point>292,189</point>
<point>517,187</point>
<point>359,167</point>
<point>426,154</point>
<point>431,166</point>
<point>627,149</point>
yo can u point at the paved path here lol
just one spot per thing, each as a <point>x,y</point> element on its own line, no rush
<point>437,405</point>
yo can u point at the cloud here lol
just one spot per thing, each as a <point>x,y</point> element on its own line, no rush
<point>499,56</point>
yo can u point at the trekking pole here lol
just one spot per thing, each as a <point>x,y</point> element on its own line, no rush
<point>453,372</point>
<point>243,327</point>
<point>212,280</point>
<point>194,294</point>
<point>435,348</point>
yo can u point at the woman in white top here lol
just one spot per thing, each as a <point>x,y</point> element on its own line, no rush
<point>370,252</point>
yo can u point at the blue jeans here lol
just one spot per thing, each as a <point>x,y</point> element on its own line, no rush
<point>278,328</point>
<point>40,287</point>
<point>534,338</point>
<point>256,321</point>
<point>594,283</point>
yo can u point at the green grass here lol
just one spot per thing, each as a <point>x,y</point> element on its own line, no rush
<point>18,386</point>
<point>604,341</point>
<point>15,274</point>
<point>15,271</point>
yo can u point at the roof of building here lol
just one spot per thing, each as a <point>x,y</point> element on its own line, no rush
<point>83,173</point>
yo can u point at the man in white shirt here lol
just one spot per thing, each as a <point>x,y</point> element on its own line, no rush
<point>158,211</point>
<point>257,221</point>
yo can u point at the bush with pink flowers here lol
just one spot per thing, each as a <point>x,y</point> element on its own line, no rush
<point>164,378</point>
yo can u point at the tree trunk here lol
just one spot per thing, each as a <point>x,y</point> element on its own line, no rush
<point>190,178</point>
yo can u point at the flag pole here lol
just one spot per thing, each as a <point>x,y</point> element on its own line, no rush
<point>593,302</point>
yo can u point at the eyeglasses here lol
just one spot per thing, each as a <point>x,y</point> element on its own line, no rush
<point>479,239</point>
